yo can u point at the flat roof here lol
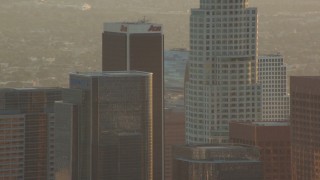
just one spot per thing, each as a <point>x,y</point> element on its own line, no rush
<point>31,89</point>
<point>217,146</point>
<point>139,27</point>
<point>219,161</point>
<point>271,123</point>
<point>306,77</point>
<point>142,22</point>
<point>265,123</point>
<point>112,73</point>
<point>270,56</point>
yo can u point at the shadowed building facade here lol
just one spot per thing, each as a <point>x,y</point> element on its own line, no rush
<point>104,124</point>
<point>305,127</point>
<point>216,162</point>
<point>273,141</point>
<point>26,133</point>
<point>174,134</point>
<point>139,46</point>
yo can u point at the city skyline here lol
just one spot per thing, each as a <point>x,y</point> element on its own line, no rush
<point>43,43</point>
<point>114,123</point>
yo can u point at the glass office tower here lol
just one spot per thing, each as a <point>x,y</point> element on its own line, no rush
<point>138,46</point>
<point>109,117</point>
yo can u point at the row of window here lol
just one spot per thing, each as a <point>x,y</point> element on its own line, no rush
<point>231,42</point>
<point>225,30</point>
<point>224,1</point>
<point>275,76</point>
<point>224,53</point>
<point>270,73</point>
<point>227,116</point>
<point>271,60</point>
<point>231,48</point>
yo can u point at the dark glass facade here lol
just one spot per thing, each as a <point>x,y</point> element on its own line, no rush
<point>110,123</point>
<point>139,46</point>
<point>220,162</point>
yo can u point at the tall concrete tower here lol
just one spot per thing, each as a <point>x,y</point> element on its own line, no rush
<point>221,77</point>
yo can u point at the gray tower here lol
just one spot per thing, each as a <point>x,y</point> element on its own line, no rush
<point>221,77</point>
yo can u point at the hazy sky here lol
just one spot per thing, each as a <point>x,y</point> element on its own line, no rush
<point>44,35</point>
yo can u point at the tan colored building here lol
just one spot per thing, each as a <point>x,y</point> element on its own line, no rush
<point>305,127</point>
<point>12,140</point>
<point>26,133</point>
<point>273,141</point>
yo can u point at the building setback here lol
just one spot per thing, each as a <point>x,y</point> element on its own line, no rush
<point>104,124</point>
<point>27,122</point>
<point>221,77</point>
<point>273,79</point>
<point>139,46</point>
<point>273,141</point>
<point>305,127</point>
<point>216,162</point>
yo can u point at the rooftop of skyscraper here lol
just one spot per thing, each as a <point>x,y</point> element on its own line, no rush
<point>111,73</point>
<point>216,152</point>
<point>266,123</point>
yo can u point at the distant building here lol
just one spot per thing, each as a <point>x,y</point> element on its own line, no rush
<point>174,121</point>
<point>104,127</point>
<point>216,162</point>
<point>221,76</point>
<point>305,127</point>
<point>273,141</point>
<point>174,124</point>
<point>273,79</point>
<point>26,133</point>
<point>139,46</point>
<point>175,61</point>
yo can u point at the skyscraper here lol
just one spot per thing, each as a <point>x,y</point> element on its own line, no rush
<point>216,162</point>
<point>104,127</point>
<point>221,78</point>
<point>273,79</point>
<point>273,141</point>
<point>305,127</point>
<point>139,46</point>
<point>26,127</point>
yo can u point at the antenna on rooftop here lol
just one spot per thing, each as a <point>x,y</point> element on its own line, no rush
<point>143,20</point>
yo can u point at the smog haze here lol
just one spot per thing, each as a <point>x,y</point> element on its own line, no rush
<point>43,40</point>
